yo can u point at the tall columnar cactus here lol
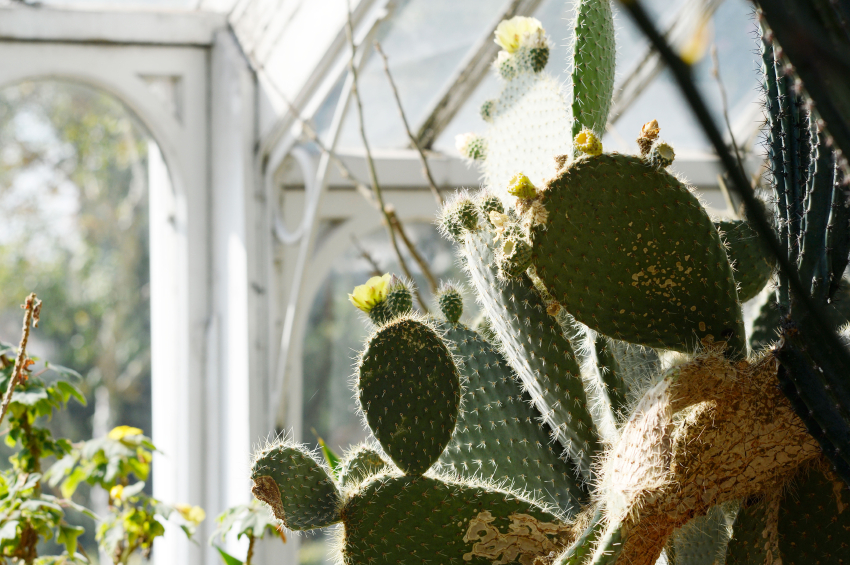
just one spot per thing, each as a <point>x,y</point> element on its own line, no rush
<point>615,407</point>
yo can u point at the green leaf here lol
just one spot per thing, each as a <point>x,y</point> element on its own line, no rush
<point>64,371</point>
<point>227,558</point>
<point>68,536</point>
<point>133,490</point>
<point>333,460</point>
<point>69,390</point>
<point>9,530</point>
<point>70,485</point>
<point>29,397</point>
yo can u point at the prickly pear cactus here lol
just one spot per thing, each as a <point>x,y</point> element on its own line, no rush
<point>606,407</point>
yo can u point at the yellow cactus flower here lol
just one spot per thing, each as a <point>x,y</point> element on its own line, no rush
<point>521,187</point>
<point>367,296</point>
<point>120,432</point>
<point>192,514</point>
<point>588,143</point>
<point>510,34</point>
<point>116,492</point>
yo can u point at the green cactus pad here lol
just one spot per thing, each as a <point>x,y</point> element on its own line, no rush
<point>296,486</point>
<point>451,303</point>
<point>609,547</point>
<point>537,350</point>
<point>630,252</point>
<point>611,375</point>
<point>360,463</point>
<point>498,435</point>
<point>749,255</point>
<point>584,544</point>
<point>814,521</point>
<point>702,541</point>
<point>415,520</point>
<point>409,390</point>
<point>593,59</point>
<point>750,536</point>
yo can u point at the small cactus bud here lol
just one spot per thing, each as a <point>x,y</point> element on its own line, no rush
<point>648,134</point>
<point>661,155</point>
<point>521,187</point>
<point>399,301</point>
<point>471,146</point>
<point>514,257</point>
<point>491,203</point>
<point>451,302</point>
<point>506,65</point>
<point>486,110</point>
<point>539,56</point>
<point>458,217</point>
<point>588,143</point>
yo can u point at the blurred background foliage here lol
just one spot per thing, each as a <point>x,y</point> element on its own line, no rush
<point>74,229</point>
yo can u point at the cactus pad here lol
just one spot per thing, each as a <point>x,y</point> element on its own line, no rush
<point>498,435</point>
<point>751,537</point>
<point>702,541</point>
<point>593,65</point>
<point>814,521</point>
<point>409,390</point>
<point>297,488</point>
<point>536,349</point>
<point>749,255</point>
<point>360,463</point>
<point>630,252</point>
<point>415,520</point>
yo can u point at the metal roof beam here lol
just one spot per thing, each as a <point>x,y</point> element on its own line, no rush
<point>119,27</point>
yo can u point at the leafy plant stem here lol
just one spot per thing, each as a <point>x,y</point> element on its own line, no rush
<point>32,307</point>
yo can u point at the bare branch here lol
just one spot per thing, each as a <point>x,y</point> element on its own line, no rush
<point>33,310</point>
<point>376,268</point>
<point>373,176</point>
<point>426,170</point>
<point>432,282</point>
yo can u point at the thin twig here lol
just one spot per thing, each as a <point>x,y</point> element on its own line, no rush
<point>426,170</point>
<point>715,71</point>
<point>432,282</point>
<point>756,214</point>
<point>373,175</point>
<point>376,268</point>
<point>32,306</point>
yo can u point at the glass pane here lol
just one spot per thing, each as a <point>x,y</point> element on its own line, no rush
<point>739,63</point>
<point>424,40</point>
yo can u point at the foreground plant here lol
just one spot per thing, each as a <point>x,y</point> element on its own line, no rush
<point>612,407</point>
<point>30,511</point>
